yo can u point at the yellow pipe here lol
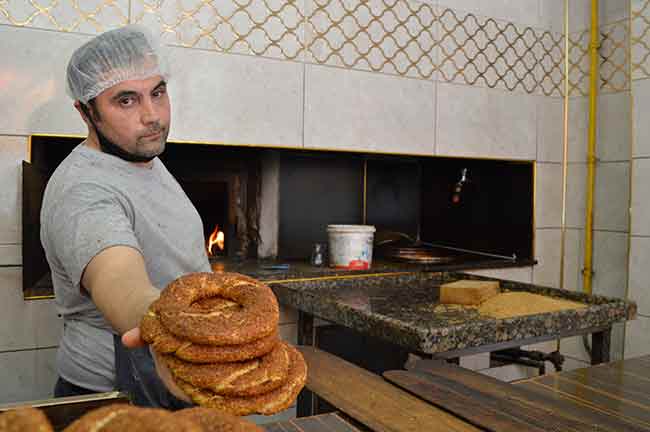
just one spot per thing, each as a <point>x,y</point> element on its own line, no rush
<point>587,271</point>
<point>565,144</point>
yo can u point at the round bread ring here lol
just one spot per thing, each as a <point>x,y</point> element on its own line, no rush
<point>212,420</point>
<point>123,417</point>
<point>258,316</point>
<point>249,378</point>
<point>24,419</point>
<point>154,333</point>
<point>268,403</point>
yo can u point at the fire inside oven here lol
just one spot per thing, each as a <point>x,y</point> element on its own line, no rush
<point>211,201</point>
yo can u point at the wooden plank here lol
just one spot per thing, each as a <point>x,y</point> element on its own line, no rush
<point>370,400</point>
<point>606,420</point>
<point>599,398</point>
<point>482,409</point>
<point>614,382</point>
<point>544,402</point>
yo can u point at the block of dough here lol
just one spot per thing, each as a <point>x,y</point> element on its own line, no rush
<point>468,292</point>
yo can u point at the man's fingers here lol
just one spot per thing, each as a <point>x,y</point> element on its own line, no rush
<point>132,339</point>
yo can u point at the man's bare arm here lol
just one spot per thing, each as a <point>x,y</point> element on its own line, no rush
<point>118,283</point>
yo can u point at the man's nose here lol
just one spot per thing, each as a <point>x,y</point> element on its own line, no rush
<point>148,112</point>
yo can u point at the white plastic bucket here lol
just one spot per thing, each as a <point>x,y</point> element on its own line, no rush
<point>350,246</point>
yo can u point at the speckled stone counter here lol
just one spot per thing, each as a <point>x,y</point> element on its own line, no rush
<point>403,308</point>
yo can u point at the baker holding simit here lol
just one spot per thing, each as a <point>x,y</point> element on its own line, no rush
<point>115,225</point>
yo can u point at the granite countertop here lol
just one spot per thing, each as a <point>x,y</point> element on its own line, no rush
<point>402,306</point>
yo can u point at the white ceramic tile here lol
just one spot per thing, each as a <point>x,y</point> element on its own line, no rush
<point>640,202</point>
<point>573,259</point>
<point>550,129</point>
<point>612,196</point>
<point>475,362</point>
<point>614,127</point>
<point>613,10</point>
<point>578,129</point>
<point>610,264</point>
<point>235,99</point>
<point>573,364</point>
<point>18,376</point>
<point>640,50</point>
<point>617,344</point>
<point>576,189</point>
<point>574,348</point>
<point>253,28</point>
<point>479,122</point>
<point>71,16</point>
<point>32,84</point>
<point>17,331</point>
<point>510,373</point>
<point>639,288</point>
<point>547,253</point>
<point>10,254</point>
<point>48,326</point>
<point>637,337</point>
<point>46,374</point>
<point>289,333</point>
<point>390,37</point>
<point>13,150</point>
<point>552,15</point>
<point>524,12</point>
<point>365,111</point>
<point>641,124</point>
<point>548,195</point>
<point>518,274</point>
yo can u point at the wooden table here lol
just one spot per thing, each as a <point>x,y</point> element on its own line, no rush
<point>616,395</point>
<point>319,423</point>
<point>607,397</point>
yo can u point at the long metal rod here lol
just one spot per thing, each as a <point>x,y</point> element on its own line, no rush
<point>565,144</point>
<point>513,257</point>
<point>594,45</point>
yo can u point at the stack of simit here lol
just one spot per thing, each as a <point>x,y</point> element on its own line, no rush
<point>218,335</point>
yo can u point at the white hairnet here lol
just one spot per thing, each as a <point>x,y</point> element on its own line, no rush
<point>118,55</point>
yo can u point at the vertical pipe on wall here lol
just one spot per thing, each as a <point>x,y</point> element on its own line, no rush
<point>565,141</point>
<point>594,45</point>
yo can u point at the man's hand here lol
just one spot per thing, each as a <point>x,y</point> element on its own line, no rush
<point>132,339</point>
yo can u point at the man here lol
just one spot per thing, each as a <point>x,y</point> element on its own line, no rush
<point>115,225</point>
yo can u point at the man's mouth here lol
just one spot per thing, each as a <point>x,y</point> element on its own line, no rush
<point>153,135</point>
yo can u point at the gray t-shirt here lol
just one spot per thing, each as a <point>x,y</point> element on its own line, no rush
<point>94,201</point>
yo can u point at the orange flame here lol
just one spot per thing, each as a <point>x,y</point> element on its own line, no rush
<point>216,238</point>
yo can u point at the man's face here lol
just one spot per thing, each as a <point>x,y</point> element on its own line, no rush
<point>135,115</point>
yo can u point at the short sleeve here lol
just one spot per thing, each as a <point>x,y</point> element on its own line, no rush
<point>89,219</point>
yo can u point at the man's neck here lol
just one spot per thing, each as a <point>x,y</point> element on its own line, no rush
<point>92,141</point>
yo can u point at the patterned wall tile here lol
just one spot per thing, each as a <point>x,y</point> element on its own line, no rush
<point>88,16</point>
<point>397,37</point>
<point>477,50</point>
<point>640,39</point>
<point>400,37</point>
<point>269,28</point>
<point>614,66</point>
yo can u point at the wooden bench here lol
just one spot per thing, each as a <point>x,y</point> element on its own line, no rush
<point>607,397</point>
<point>372,401</point>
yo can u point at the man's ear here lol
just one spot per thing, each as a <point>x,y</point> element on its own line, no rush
<point>83,112</point>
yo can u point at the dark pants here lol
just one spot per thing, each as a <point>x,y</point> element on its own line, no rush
<point>65,388</point>
<point>135,374</point>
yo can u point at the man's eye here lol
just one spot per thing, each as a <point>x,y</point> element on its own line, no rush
<point>159,92</point>
<point>127,101</point>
